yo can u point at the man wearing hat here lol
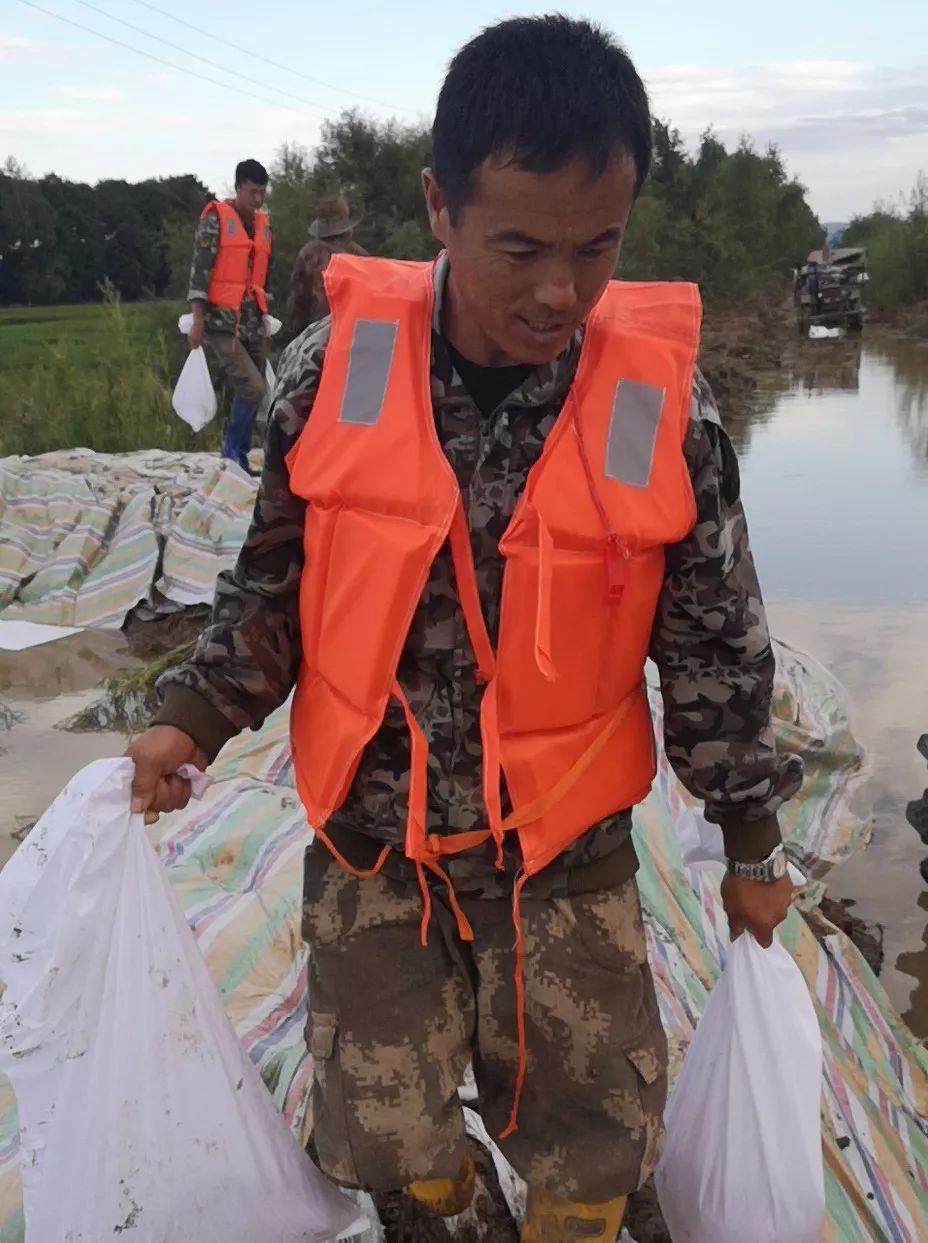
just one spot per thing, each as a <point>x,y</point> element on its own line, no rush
<point>330,233</point>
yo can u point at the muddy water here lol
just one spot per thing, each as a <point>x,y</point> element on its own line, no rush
<point>40,688</point>
<point>835,484</point>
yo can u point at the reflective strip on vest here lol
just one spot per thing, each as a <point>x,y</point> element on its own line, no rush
<point>636,413</point>
<point>369,363</point>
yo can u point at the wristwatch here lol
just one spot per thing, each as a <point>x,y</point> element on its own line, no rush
<point>768,870</point>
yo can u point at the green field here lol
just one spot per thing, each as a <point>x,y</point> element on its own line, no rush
<point>27,332</point>
<point>97,375</point>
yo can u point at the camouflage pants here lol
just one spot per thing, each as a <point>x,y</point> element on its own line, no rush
<point>394,1025</point>
<point>237,364</point>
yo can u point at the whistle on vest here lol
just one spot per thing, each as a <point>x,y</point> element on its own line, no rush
<point>616,557</point>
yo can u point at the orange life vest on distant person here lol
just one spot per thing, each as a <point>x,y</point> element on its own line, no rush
<point>565,713</point>
<point>241,266</point>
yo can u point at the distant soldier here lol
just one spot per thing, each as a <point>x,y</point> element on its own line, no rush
<point>331,233</point>
<point>228,277</point>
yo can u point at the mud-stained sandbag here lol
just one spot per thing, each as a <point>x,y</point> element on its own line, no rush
<point>743,1159</point>
<point>140,1114</point>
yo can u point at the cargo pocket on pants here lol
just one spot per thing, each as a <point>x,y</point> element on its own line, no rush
<point>331,1135</point>
<point>647,1054</point>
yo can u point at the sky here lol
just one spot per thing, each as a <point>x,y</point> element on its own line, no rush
<point>840,85</point>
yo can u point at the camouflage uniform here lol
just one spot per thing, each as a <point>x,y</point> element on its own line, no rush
<point>392,1024</point>
<point>307,302</point>
<point>393,1027</point>
<point>235,344</point>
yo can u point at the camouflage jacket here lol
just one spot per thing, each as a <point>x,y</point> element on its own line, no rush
<point>307,301</point>
<point>217,318</point>
<point>710,640</point>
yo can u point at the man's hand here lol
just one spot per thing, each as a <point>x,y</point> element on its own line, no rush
<point>755,906</point>
<point>157,754</point>
<point>195,335</point>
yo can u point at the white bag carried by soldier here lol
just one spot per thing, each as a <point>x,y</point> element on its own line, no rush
<point>194,398</point>
<point>743,1158</point>
<point>140,1113</point>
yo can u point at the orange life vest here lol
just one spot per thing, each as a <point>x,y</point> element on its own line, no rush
<point>564,715</point>
<point>241,266</point>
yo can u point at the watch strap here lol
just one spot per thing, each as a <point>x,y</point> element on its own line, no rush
<point>766,870</point>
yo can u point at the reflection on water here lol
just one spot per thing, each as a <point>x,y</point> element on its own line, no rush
<point>836,367</point>
<point>913,964</point>
<point>908,359</point>
<point>835,482</point>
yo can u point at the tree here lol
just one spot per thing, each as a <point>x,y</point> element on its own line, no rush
<point>293,198</point>
<point>27,235</point>
<point>733,221</point>
<point>379,165</point>
<point>61,240</point>
<point>896,239</point>
<point>166,204</point>
<point>75,274</point>
<point>668,158</point>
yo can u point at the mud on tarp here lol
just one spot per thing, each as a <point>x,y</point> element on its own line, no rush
<point>235,864</point>
<point>87,537</point>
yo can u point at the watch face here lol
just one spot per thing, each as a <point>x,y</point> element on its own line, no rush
<point>779,865</point>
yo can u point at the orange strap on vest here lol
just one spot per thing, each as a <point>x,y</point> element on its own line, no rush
<point>466,576</point>
<point>434,845</point>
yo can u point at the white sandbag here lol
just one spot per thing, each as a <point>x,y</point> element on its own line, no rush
<point>270,382</point>
<point>272,325</point>
<point>194,399</point>
<point>140,1114</point>
<point>743,1158</point>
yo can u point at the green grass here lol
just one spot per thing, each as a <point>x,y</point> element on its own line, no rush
<point>98,376</point>
<point>27,332</point>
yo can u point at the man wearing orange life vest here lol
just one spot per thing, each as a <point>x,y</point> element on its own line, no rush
<point>228,278</point>
<point>493,486</point>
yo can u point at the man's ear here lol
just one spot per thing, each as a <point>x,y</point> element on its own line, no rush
<point>436,206</point>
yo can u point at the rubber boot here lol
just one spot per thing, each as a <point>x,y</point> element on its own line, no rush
<point>446,1197</point>
<point>239,429</point>
<point>550,1219</point>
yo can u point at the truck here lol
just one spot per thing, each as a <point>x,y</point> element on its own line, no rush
<point>829,289</point>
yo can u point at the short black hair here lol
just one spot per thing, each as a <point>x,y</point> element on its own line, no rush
<point>539,92</point>
<point>250,170</point>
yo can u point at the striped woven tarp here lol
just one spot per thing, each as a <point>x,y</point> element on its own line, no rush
<point>86,537</point>
<point>206,536</point>
<point>234,862</point>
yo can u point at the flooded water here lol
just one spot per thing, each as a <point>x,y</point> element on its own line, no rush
<point>835,485</point>
<point>39,689</point>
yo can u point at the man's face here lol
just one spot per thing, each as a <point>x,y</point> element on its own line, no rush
<point>530,256</point>
<point>249,198</point>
